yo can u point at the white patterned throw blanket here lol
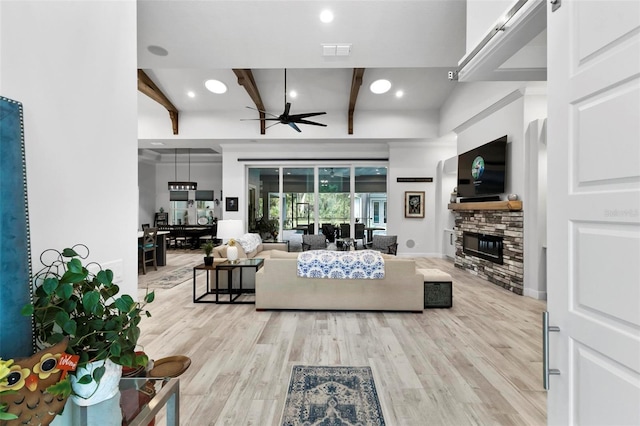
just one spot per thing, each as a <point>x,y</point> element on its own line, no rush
<point>249,242</point>
<point>361,264</point>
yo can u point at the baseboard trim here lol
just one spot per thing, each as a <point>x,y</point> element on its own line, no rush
<point>535,294</point>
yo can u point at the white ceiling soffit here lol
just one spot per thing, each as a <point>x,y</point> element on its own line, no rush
<point>518,53</point>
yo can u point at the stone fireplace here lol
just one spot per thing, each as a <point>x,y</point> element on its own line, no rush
<point>489,243</point>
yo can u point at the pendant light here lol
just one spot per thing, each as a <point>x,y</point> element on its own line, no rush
<point>178,185</point>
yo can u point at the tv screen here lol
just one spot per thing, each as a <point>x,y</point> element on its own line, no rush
<point>204,195</point>
<point>482,170</point>
<point>178,195</point>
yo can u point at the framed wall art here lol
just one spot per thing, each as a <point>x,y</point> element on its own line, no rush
<point>231,204</point>
<point>414,204</point>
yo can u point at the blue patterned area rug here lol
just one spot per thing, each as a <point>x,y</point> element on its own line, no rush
<point>332,396</point>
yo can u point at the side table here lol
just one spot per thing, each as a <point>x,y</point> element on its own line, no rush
<point>208,291</point>
<point>230,266</point>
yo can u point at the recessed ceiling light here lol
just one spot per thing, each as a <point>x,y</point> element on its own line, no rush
<point>157,50</point>
<point>157,143</point>
<point>293,94</point>
<point>326,16</point>
<point>399,94</point>
<point>380,86</point>
<point>215,86</point>
<point>191,94</point>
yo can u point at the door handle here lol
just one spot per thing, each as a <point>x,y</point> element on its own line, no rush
<point>451,238</point>
<point>546,371</point>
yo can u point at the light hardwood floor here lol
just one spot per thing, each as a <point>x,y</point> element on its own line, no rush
<point>478,363</point>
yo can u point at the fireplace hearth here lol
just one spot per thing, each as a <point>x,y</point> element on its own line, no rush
<point>484,246</point>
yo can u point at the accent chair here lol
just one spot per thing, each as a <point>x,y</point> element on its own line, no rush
<point>314,242</point>
<point>384,243</point>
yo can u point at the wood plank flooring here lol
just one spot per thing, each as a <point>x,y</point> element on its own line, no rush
<point>478,363</point>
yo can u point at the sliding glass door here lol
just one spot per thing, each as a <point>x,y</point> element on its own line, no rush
<point>350,199</point>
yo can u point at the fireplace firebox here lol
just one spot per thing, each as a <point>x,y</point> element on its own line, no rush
<point>484,246</point>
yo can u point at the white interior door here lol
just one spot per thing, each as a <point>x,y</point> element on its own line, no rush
<point>378,213</point>
<point>594,212</point>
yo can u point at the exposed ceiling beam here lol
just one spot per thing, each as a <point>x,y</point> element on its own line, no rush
<point>356,82</point>
<point>245,79</point>
<point>149,88</point>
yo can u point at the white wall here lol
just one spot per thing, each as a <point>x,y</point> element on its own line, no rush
<point>417,236</point>
<point>72,64</point>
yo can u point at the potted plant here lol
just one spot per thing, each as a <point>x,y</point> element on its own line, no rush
<point>72,301</point>
<point>208,248</point>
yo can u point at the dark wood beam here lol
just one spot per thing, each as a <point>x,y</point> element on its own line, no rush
<point>356,82</point>
<point>245,79</point>
<point>149,88</point>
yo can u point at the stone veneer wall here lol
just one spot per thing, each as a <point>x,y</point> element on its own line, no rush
<point>505,224</point>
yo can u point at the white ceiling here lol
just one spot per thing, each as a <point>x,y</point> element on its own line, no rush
<point>412,43</point>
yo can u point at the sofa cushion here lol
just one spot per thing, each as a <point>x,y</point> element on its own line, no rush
<point>279,254</point>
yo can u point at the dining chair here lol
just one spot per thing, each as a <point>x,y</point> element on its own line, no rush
<point>345,230</point>
<point>329,231</point>
<point>145,226</point>
<point>179,236</point>
<point>148,245</point>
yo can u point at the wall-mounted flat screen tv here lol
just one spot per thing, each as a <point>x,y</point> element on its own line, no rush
<point>204,195</point>
<point>178,195</point>
<point>482,171</point>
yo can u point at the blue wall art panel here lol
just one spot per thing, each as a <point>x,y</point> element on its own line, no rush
<point>16,334</point>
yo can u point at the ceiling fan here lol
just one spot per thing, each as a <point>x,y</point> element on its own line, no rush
<point>285,117</point>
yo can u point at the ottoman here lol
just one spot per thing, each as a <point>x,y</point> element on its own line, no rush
<point>438,288</point>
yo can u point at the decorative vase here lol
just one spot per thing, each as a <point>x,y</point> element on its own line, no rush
<point>232,253</point>
<point>92,392</point>
<point>512,197</point>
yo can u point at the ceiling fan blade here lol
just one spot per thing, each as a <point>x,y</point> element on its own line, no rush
<point>310,122</point>
<point>293,126</point>
<point>259,110</point>
<point>296,117</point>
<point>260,119</point>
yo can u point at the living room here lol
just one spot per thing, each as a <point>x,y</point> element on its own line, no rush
<point>73,68</point>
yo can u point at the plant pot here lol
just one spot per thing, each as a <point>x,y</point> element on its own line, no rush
<point>92,392</point>
<point>208,260</point>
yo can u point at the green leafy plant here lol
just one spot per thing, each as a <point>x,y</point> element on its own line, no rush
<point>71,301</point>
<point>208,248</point>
